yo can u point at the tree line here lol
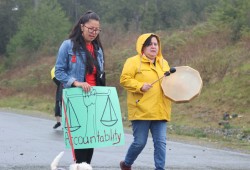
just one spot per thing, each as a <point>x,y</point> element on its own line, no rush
<point>31,25</point>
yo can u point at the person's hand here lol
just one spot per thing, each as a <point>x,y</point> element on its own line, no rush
<point>146,87</point>
<point>84,85</point>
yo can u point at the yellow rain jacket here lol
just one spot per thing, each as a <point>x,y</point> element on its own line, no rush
<point>137,70</point>
<point>52,72</point>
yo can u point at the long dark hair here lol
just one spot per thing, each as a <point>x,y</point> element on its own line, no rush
<point>78,40</point>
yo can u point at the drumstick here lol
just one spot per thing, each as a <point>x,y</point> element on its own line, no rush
<point>167,73</point>
<point>172,70</point>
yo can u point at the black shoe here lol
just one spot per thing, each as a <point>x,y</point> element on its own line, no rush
<point>124,167</point>
<point>57,125</point>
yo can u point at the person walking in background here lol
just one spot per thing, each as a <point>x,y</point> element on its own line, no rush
<point>80,59</point>
<point>58,102</point>
<point>148,108</point>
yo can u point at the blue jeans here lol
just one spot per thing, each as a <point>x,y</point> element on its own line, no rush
<point>158,130</point>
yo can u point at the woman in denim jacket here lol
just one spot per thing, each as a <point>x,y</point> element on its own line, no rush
<point>79,60</point>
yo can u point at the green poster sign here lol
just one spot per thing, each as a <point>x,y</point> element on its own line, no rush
<point>94,118</point>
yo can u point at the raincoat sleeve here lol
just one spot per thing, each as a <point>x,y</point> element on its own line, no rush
<point>127,78</point>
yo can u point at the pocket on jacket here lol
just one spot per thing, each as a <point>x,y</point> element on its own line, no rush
<point>137,97</point>
<point>72,59</point>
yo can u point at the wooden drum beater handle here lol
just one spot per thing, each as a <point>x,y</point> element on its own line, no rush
<point>167,73</point>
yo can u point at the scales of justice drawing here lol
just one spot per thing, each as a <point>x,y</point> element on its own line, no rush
<point>93,114</point>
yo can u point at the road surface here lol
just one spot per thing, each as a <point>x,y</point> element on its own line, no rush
<point>30,143</point>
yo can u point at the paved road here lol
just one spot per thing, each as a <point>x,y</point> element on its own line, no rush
<point>30,143</point>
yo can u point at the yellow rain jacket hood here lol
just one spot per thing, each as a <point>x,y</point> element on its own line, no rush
<point>137,70</point>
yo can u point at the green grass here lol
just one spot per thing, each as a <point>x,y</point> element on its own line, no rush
<point>26,102</point>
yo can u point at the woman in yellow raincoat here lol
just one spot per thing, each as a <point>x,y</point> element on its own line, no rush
<point>148,108</point>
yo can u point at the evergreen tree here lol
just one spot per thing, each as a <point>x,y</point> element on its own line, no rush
<point>44,25</point>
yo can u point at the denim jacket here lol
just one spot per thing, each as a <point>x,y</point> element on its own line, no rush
<point>70,67</point>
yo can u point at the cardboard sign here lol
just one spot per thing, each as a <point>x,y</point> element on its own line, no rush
<point>94,118</point>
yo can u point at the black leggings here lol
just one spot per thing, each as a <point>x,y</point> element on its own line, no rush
<point>84,155</point>
<point>58,106</point>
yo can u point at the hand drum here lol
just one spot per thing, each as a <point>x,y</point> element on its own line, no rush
<point>183,85</point>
